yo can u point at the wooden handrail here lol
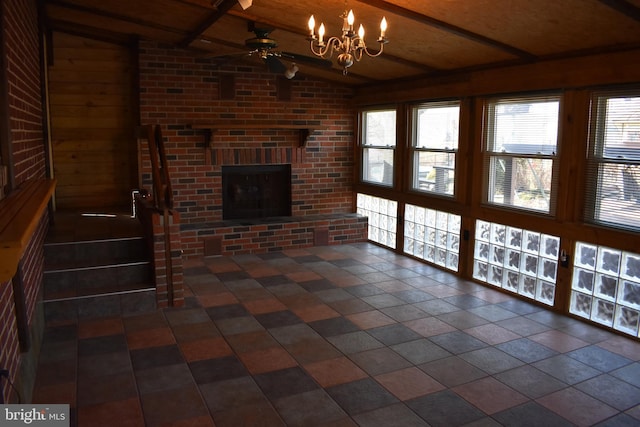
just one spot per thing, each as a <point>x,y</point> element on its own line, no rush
<point>20,213</point>
<point>162,192</point>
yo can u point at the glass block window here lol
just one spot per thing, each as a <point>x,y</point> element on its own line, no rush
<point>383,218</point>
<point>521,261</point>
<point>605,287</point>
<point>435,130</point>
<point>521,140</point>
<point>432,235</point>
<point>378,146</point>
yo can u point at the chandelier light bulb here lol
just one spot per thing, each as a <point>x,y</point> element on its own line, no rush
<point>312,25</point>
<point>383,27</point>
<point>361,32</point>
<point>351,19</point>
<point>321,32</point>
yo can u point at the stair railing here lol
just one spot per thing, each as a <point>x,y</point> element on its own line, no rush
<point>162,192</point>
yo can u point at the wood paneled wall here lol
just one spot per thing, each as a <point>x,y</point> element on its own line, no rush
<point>92,119</point>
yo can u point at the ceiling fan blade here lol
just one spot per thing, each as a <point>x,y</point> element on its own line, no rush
<point>275,65</point>
<point>311,60</point>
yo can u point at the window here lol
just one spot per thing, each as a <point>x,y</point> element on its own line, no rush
<point>521,140</point>
<point>435,143</point>
<point>606,287</point>
<point>432,235</point>
<point>517,260</point>
<point>613,176</point>
<point>383,218</point>
<point>378,146</point>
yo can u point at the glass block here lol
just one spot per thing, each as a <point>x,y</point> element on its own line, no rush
<point>375,204</point>
<point>409,213</point>
<point>360,200</point>
<point>529,264</point>
<point>429,253</point>
<point>482,251</point>
<point>495,275</point>
<point>630,266</point>
<point>608,260</point>
<point>441,256</point>
<point>629,294</point>
<point>418,249</point>
<point>382,222</point>
<point>580,304</point>
<point>441,220</point>
<point>409,229</point>
<point>480,270</point>
<point>550,247</point>
<point>454,223</point>
<point>392,223</point>
<point>374,219</point>
<point>483,230</point>
<point>383,236</point>
<point>602,312</point>
<point>527,286</point>
<point>585,255</point>
<point>391,240</point>
<point>408,245</point>
<point>547,269</point>
<point>419,235</point>
<point>392,208</point>
<point>452,261</point>
<point>498,233</point>
<point>583,280</point>
<point>453,242</point>
<point>511,280</point>
<point>373,234</point>
<point>606,287</point>
<point>367,202</point>
<point>512,260</point>
<point>419,215</point>
<point>545,292</point>
<point>383,205</point>
<point>497,254</point>
<point>430,235</point>
<point>441,239</point>
<point>514,238</point>
<point>626,320</point>
<point>531,242</point>
<point>430,218</point>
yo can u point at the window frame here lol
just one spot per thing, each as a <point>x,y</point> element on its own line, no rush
<point>596,159</point>
<point>364,147</point>
<point>415,151</point>
<point>490,155</point>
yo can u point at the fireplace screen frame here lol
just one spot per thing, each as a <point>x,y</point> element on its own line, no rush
<point>256,191</point>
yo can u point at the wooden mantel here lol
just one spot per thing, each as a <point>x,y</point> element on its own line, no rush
<point>304,131</point>
<point>20,213</point>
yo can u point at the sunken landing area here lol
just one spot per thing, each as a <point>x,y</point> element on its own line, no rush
<point>350,335</point>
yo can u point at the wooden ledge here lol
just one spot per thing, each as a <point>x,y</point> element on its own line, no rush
<point>20,213</point>
<point>304,131</point>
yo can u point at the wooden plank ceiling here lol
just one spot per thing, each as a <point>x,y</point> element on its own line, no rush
<point>426,37</point>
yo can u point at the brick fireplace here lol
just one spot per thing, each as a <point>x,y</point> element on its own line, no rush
<point>179,89</point>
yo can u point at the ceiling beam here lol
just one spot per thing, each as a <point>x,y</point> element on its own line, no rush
<point>624,7</point>
<point>223,8</point>
<point>106,14</point>
<point>445,26</point>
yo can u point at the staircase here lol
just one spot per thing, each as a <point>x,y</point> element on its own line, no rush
<point>96,267</point>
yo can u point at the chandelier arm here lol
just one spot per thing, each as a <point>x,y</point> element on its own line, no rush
<point>330,46</point>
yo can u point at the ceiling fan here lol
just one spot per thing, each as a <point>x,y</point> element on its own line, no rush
<point>263,46</point>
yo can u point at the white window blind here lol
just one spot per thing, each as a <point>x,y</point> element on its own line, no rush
<point>613,175</point>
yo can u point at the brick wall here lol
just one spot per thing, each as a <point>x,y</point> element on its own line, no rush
<point>179,88</point>
<point>21,45</point>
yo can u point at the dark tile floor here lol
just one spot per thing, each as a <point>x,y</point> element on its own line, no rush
<point>339,336</point>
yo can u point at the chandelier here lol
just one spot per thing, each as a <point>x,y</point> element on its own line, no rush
<point>350,46</point>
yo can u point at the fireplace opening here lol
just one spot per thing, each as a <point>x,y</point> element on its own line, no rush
<point>256,191</point>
